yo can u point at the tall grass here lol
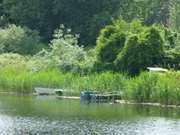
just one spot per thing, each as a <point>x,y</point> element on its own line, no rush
<point>153,87</point>
<point>147,87</point>
<point>23,81</point>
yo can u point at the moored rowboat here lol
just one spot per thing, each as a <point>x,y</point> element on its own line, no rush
<point>48,91</point>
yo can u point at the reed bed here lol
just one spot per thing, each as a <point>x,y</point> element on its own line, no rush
<point>147,87</point>
<point>154,88</point>
<point>23,81</point>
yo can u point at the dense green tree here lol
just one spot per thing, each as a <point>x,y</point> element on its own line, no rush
<point>130,47</point>
<point>87,17</point>
<point>84,17</point>
<point>35,14</point>
<point>112,39</point>
<point>141,51</point>
<point>172,58</point>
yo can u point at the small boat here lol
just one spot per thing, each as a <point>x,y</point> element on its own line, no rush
<point>157,69</point>
<point>87,95</point>
<point>48,91</point>
<point>92,96</point>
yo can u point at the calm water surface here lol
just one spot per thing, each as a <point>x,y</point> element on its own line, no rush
<point>50,116</point>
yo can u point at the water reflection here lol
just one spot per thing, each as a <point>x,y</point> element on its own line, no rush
<point>36,116</point>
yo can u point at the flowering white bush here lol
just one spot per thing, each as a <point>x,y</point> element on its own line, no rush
<point>64,53</point>
<point>13,60</point>
<point>17,39</point>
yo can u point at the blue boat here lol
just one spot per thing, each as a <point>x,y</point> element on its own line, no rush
<point>92,96</point>
<point>88,95</point>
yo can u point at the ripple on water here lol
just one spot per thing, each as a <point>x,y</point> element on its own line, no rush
<point>39,126</point>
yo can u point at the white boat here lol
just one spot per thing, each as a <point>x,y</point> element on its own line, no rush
<point>157,69</point>
<point>45,91</point>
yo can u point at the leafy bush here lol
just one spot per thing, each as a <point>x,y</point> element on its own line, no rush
<point>108,46</point>
<point>172,59</point>
<point>65,50</point>
<point>128,60</point>
<point>111,41</point>
<point>64,53</point>
<point>20,40</point>
<point>129,47</point>
<point>13,60</point>
<point>141,51</point>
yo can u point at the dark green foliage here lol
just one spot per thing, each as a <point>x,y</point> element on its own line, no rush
<point>83,16</point>
<point>171,38</point>
<point>129,47</point>
<point>172,59</point>
<point>130,59</point>
<point>35,14</point>
<point>141,51</point>
<point>109,43</point>
<point>87,17</point>
<point>172,49</point>
<point>153,41</point>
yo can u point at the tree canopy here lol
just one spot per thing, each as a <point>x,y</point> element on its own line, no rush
<point>86,17</point>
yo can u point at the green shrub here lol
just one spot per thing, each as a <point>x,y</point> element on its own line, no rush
<point>129,47</point>
<point>20,40</point>
<point>140,51</point>
<point>118,50</point>
<point>13,60</point>
<point>107,52</point>
<point>172,58</point>
<point>65,53</point>
<point>111,41</point>
<point>153,41</point>
<point>129,60</point>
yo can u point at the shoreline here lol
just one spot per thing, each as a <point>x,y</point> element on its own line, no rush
<point>125,102</point>
<point>147,104</point>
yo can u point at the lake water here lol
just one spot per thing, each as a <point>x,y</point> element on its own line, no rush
<point>51,116</point>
